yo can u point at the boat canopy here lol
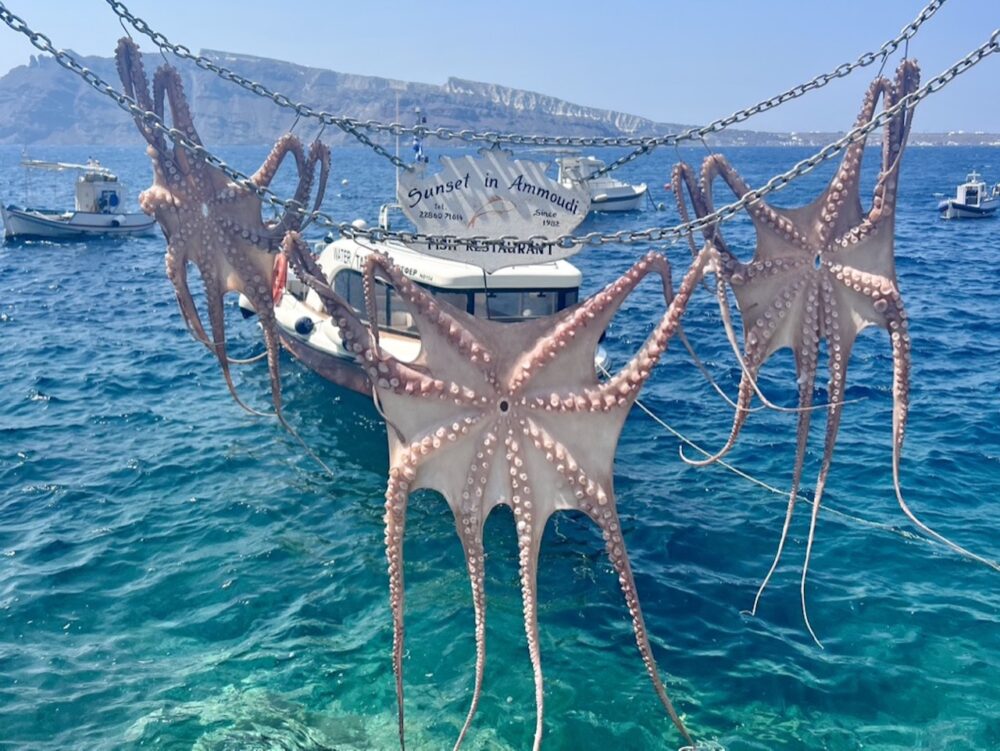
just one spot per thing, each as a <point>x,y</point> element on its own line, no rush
<point>445,274</point>
<point>92,165</point>
<point>578,167</point>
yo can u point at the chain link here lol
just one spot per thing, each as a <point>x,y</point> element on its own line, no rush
<point>652,235</point>
<point>640,145</point>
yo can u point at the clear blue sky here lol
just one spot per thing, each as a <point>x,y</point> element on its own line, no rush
<point>689,61</point>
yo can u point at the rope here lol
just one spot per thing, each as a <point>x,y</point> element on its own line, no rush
<point>771,488</point>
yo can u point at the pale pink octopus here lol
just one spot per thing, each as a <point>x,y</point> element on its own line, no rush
<point>499,413</point>
<point>213,222</point>
<point>825,271</point>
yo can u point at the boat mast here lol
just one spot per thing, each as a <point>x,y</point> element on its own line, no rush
<point>397,144</point>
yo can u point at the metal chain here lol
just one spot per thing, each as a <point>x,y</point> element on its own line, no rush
<point>656,234</point>
<point>640,145</point>
<point>842,70</point>
<point>346,124</point>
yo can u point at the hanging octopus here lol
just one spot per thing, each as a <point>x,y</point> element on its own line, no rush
<point>214,223</point>
<point>823,272</point>
<point>498,413</point>
<point>513,414</point>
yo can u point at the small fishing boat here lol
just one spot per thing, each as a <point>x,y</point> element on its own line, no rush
<point>513,294</point>
<point>606,193</point>
<point>98,211</point>
<point>972,200</point>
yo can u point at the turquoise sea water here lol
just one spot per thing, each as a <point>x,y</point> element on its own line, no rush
<point>177,574</point>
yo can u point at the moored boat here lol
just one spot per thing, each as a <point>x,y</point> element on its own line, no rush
<point>973,200</point>
<point>512,295</point>
<point>98,211</point>
<point>606,193</point>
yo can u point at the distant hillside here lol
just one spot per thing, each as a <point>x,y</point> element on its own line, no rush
<point>41,103</point>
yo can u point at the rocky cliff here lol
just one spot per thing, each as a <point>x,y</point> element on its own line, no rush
<point>43,103</point>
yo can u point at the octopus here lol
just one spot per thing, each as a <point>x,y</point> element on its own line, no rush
<point>215,223</point>
<point>488,414</point>
<point>498,413</point>
<point>513,414</point>
<point>820,273</point>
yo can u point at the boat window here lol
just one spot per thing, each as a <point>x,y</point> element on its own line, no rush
<point>504,305</point>
<point>391,310</point>
<point>516,305</point>
<point>459,299</point>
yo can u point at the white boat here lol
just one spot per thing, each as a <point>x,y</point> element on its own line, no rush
<point>606,193</point>
<point>98,210</point>
<point>972,200</point>
<point>512,294</point>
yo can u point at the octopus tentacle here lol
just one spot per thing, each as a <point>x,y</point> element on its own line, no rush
<point>889,302</point>
<point>595,311</point>
<point>625,384</point>
<point>469,522</point>
<point>893,142</point>
<point>839,356</point>
<point>167,82</point>
<point>402,474</point>
<point>381,367</point>
<point>287,144</point>
<point>759,344</point>
<point>319,153</point>
<point>213,301</point>
<point>530,526</point>
<point>806,356</point>
<point>842,205</point>
<point>427,307</point>
<point>397,494</point>
<point>610,526</point>
<point>177,274</point>
<point>683,177</point>
<point>598,503</point>
<point>135,84</point>
<point>306,268</point>
<point>717,166</point>
<point>689,348</point>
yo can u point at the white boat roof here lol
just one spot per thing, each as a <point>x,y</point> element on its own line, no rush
<point>91,166</point>
<point>440,272</point>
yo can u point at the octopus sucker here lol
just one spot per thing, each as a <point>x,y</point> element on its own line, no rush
<point>495,413</point>
<point>212,223</point>
<point>537,432</point>
<point>822,272</point>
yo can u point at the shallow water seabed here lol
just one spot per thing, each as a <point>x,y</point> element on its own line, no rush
<point>177,574</point>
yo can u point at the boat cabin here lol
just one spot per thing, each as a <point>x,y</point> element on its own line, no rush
<point>509,295</point>
<point>98,190</point>
<point>972,200</point>
<point>574,169</point>
<point>973,191</point>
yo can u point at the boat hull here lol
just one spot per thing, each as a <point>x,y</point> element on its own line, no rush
<point>952,209</point>
<point>41,224</point>
<point>628,199</point>
<point>342,371</point>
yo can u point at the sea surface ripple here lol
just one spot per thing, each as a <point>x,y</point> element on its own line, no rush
<point>177,574</point>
